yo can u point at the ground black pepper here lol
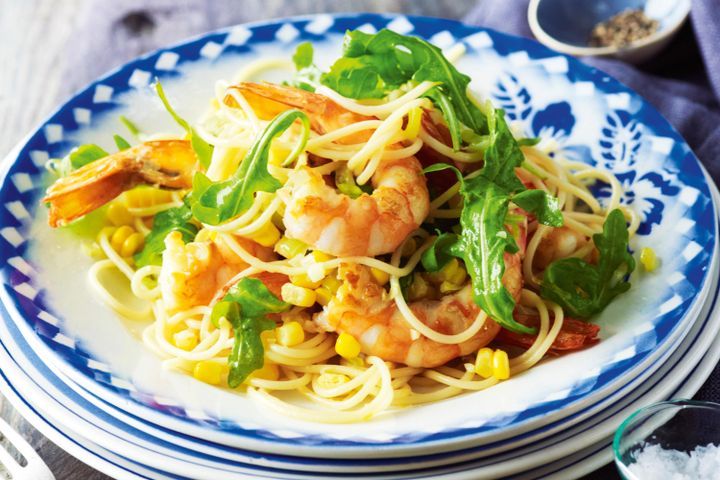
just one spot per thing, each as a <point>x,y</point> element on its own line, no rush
<point>623,29</point>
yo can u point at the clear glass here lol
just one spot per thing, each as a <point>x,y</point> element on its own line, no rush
<point>681,425</point>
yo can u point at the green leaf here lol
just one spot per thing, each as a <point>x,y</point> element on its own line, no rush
<point>448,110</point>
<point>540,203</point>
<point>215,203</point>
<point>246,306</point>
<point>132,128</point>
<point>444,248</point>
<point>121,143</point>
<point>202,149</point>
<point>528,142</point>
<point>584,289</point>
<point>502,155</point>
<point>484,242</point>
<point>375,64</point>
<point>308,74</point>
<point>178,218</point>
<point>84,154</point>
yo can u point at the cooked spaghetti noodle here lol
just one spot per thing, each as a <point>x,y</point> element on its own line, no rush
<point>304,353</point>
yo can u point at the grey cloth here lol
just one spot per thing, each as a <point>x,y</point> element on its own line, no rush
<point>682,82</point>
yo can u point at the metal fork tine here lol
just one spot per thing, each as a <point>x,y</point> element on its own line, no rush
<point>23,447</point>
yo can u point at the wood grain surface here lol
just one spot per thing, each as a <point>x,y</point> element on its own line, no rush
<point>51,48</point>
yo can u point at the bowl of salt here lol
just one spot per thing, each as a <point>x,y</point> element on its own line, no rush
<point>673,440</point>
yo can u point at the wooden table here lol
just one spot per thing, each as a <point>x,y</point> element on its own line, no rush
<point>50,49</point>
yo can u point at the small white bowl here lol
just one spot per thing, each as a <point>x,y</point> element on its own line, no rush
<point>565,25</point>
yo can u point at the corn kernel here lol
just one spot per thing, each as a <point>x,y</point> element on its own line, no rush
<point>266,236</point>
<point>185,340</point>
<point>501,365</point>
<point>323,296</point>
<point>208,371</point>
<point>106,232</point>
<point>294,295</point>
<point>290,334</point>
<point>356,362</point>
<point>304,281</point>
<point>118,214</point>
<point>132,244</point>
<point>380,276</point>
<point>321,256</point>
<point>484,362</point>
<point>269,371</point>
<point>648,259</point>
<point>330,380</point>
<point>419,288</point>
<point>119,237</point>
<point>331,282</point>
<point>447,287</point>
<point>346,346</point>
<point>409,247</point>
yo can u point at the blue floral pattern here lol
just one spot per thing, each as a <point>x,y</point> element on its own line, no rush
<point>619,144</point>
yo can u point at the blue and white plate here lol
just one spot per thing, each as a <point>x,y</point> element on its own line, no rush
<point>586,115</point>
<point>35,389</point>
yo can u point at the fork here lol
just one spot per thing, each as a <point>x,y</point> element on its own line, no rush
<point>34,469</point>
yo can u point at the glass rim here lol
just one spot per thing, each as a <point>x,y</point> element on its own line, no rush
<point>678,402</point>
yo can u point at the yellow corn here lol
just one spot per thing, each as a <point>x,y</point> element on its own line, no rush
<point>146,197</point>
<point>648,259</point>
<point>346,346</point>
<point>501,365</point>
<point>380,276</point>
<point>186,340</point>
<point>118,214</point>
<point>484,362</point>
<point>409,247</point>
<point>447,287</point>
<point>205,235</point>
<point>304,281</point>
<point>208,371</point>
<point>294,295</point>
<point>323,296</point>
<point>290,334</point>
<point>331,282</point>
<point>356,362</point>
<point>119,236</point>
<point>412,129</point>
<point>419,288</point>
<point>269,371</point>
<point>321,256</point>
<point>290,247</point>
<point>266,235</point>
<point>132,244</point>
<point>329,380</point>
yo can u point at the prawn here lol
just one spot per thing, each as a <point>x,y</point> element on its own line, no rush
<point>195,273</point>
<point>165,163</point>
<point>371,224</point>
<point>362,309</point>
<point>559,243</point>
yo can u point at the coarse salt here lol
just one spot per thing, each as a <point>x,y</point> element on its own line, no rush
<point>656,463</point>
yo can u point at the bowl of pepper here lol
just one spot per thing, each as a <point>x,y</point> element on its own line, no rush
<point>631,30</point>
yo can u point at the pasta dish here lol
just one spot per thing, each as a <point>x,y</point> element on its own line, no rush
<point>357,239</point>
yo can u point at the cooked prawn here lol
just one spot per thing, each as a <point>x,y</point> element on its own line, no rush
<point>372,224</point>
<point>268,100</point>
<point>362,309</point>
<point>164,163</point>
<point>192,274</point>
<point>559,243</point>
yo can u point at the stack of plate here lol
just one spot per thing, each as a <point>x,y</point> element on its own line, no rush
<point>82,377</point>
